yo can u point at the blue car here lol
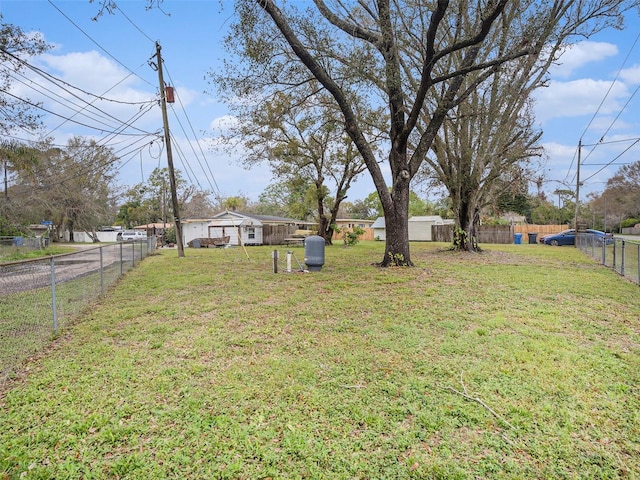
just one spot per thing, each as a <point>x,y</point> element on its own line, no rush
<point>568,237</point>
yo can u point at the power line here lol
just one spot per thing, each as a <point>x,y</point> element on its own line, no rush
<point>211,179</point>
<point>103,121</point>
<point>610,142</point>
<point>78,110</point>
<point>612,161</point>
<point>601,142</point>
<point>133,24</point>
<point>40,107</point>
<point>624,62</point>
<point>96,43</point>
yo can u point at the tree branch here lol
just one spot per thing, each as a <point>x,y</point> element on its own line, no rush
<point>466,395</point>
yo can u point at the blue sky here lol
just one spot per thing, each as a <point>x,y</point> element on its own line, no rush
<point>110,57</point>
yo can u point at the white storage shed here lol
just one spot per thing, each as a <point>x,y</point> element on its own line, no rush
<point>420,227</point>
<point>379,230</point>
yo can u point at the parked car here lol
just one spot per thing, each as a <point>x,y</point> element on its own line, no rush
<point>601,237</point>
<point>568,237</point>
<point>131,235</point>
<point>541,239</point>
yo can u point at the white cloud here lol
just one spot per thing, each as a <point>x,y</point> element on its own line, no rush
<point>578,97</point>
<point>88,70</point>
<point>581,54</point>
<point>223,123</point>
<point>631,75</point>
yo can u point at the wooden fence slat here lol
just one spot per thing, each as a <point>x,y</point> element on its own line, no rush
<point>502,234</point>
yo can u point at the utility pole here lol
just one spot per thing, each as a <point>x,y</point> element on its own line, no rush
<point>6,183</point>
<point>575,224</point>
<point>167,141</point>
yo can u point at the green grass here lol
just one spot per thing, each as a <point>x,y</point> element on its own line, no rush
<point>212,366</point>
<point>26,318</point>
<point>12,254</point>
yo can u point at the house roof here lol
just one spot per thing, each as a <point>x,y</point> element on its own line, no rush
<point>153,225</point>
<point>262,218</point>
<point>353,220</point>
<point>379,223</point>
<point>276,219</point>
<point>195,220</point>
<point>235,222</point>
<point>426,218</point>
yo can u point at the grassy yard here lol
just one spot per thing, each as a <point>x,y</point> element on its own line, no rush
<point>12,254</point>
<point>521,362</point>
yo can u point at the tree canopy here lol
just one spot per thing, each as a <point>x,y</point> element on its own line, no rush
<point>72,186</point>
<point>300,136</point>
<point>621,197</point>
<point>416,60</point>
<point>150,201</point>
<point>15,47</point>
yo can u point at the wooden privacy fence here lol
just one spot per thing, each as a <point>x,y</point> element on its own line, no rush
<point>275,234</point>
<point>442,233</point>
<point>367,235</point>
<point>278,234</point>
<point>497,233</point>
<point>539,229</point>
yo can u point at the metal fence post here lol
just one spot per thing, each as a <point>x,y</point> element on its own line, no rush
<point>121,259</point>
<point>101,273</point>
<point>622,260</point>
<point>54,301</point>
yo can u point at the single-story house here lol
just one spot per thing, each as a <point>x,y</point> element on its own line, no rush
<point>154,228</point>
<point>353,222</point>
<point>240,228</point>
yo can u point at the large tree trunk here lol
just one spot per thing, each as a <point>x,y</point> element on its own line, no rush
<point>324,229</point>
<point>396,215</point>
<point>467,219</point>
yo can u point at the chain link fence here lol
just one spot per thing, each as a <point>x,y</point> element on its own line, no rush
<point>19,243</point>
<point>40,297</point>
<point>618,253</point>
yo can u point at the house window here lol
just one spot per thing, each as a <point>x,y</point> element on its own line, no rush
<point>251,233</point>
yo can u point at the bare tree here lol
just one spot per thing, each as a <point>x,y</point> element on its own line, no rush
<point>488,141</point>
